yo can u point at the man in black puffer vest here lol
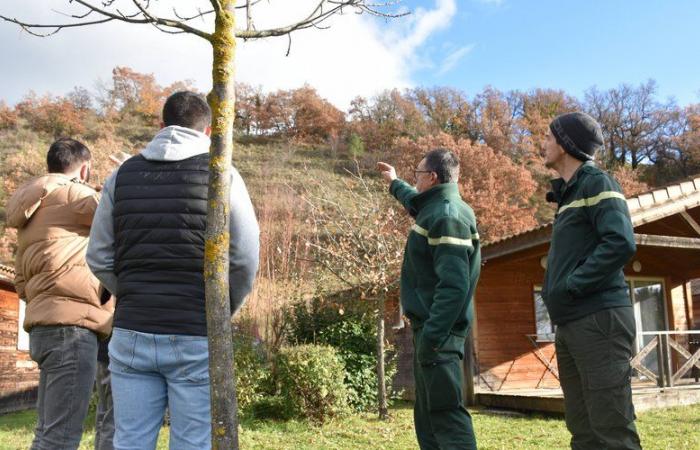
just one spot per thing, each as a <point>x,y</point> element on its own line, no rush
<point>147,247</point>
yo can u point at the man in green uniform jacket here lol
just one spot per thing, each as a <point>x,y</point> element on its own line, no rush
<point>585,289</point>
<point>440,270</point>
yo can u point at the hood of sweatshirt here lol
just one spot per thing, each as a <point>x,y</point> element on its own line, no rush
<point>175,143</point>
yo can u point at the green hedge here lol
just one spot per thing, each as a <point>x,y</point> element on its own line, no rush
<point>310,380</point>
<point>350,327</point>
<point>253,371</point>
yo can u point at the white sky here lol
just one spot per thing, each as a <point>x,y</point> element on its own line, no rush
<point>359,55</point>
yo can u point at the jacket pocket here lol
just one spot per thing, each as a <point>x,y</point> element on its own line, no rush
<point>559,294</point>
<point>453,344</point>
<point>443,384</point>
<point>572,288</point>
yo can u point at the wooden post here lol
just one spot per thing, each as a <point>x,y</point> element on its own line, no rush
<point>661,364</point>
<point>381,378</point>
<point>667,362</point>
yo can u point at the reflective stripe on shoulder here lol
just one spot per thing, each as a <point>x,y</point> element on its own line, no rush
<point>445,239</point>
<point>450,240</point>
<point>420,230</point>
<point>592,201</point>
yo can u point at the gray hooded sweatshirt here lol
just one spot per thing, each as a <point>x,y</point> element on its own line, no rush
<point>176,143</point>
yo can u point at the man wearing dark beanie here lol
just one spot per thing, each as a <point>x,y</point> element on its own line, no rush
<point>585,289</point>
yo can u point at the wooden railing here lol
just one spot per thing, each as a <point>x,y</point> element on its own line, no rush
<point>664,343</point>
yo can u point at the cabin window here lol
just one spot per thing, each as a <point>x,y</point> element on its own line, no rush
<point>543,324</point>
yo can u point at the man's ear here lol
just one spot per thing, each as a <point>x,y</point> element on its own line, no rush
<point>207,130</point>
<point>162,125</point>
<point>434,178</point>
<point>85,171</point>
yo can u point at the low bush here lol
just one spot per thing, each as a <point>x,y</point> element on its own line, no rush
<point>310,381</point>
<point>350,327</point>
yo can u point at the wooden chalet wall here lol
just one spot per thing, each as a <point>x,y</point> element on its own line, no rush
<point>19,375</point>
<point>505,315</point>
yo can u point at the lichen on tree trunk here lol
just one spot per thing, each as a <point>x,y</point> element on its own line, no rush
<point>224,408</point>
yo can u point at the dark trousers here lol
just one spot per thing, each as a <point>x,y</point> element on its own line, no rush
<point>104,416</point>
<point>593,354</point>
<point>67,358</point>
<point>442,422</point>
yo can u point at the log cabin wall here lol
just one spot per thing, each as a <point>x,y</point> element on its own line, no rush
<point>19,375</point>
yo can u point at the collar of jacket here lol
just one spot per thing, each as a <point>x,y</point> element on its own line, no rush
<point>559,186</point>
<point>437,192</point>
<point>65,177</point>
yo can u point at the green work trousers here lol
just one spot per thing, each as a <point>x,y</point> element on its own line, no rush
<point>442,422</point>
<point>593,354</point>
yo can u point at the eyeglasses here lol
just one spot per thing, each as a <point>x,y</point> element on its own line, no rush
<point>416,172</point>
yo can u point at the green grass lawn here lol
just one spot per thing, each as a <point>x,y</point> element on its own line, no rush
<point>668,429</point>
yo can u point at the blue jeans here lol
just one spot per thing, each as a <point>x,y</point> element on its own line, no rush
<point>150,372</point>
<point>104,415</point>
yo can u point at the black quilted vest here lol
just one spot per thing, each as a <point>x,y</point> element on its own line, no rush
<point>159,221</point>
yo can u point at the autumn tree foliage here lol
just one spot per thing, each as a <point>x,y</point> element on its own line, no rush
<point>301,114</point>
<point>379,121</point>
<point>132,102</point>
<point>685,148</point>
<point>8,117</point>
<point>55,116</point>
<point>629,181</point>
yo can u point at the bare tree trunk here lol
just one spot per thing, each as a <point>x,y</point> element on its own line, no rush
<point>381,379</point>
<point>224,407</point>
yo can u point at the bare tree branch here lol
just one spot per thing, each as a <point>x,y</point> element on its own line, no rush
<point>319,15</point>
<point>29,27</point>
<point>323,10</point>
<point>142,17</point>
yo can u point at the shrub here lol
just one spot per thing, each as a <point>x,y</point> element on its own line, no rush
<point>350,327</point>
<point>253,381</point>
<point>310,380</point>
<point>356,341</point>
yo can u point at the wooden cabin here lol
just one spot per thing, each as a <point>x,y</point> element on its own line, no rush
<point>19,375</point>
<point>513,334</point>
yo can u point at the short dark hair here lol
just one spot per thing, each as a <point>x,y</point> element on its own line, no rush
<point>444,163</point>
<point>65,155</point>
<point>187,109</point>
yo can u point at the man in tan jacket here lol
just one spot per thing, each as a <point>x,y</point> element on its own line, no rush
<point>64,315</point>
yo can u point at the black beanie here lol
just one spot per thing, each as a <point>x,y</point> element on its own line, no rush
<point>578,133</point>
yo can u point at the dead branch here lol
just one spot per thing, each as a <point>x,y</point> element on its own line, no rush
<point>323,10</point>
<point>318,15</point>
<point>142,17</point>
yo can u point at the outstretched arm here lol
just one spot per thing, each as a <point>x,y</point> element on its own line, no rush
<point>403,191</point>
